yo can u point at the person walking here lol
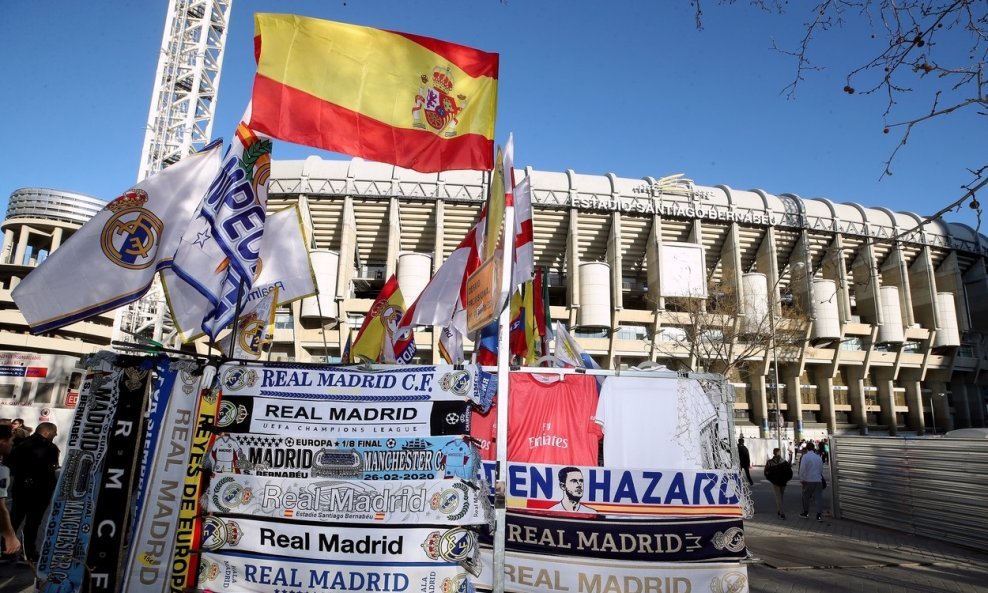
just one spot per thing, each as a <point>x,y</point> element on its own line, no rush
<point>9,544</point>
<point>33,464</point>
<point>744,457</point>
<point>811,478</point>
<point>778,471</point>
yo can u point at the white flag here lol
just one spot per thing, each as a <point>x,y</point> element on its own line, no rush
<point>218,254</point>
<point>255,329</point>
<point>284,265</point>
<point>112,259</point>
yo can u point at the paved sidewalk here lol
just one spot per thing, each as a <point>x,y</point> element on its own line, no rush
<point>797,555</point>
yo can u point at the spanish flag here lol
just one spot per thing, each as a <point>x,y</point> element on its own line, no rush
<point>397,98</point>
<point>376,341</point>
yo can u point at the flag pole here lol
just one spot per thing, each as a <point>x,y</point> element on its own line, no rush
<point>236,317</point>
<point>322,327</point>
<point>503,362</point>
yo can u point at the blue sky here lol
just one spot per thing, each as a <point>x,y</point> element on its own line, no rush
<point>631,88</point>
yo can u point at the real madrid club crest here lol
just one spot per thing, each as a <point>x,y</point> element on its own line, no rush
<point>457,382</point>
<point>130,237</point>
<point>217,533</point>
<point>252,337</point>
<point>435,103</point>
<point>238,377</point>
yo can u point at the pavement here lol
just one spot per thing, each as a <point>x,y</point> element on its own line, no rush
<point>797,555</point>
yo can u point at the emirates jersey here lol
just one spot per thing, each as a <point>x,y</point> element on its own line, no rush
<point>551,419</point>
<point>483,428</point>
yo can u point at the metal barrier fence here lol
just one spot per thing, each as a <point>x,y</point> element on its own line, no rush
<point>930,487</point>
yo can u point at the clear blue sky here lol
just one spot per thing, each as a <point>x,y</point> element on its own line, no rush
<point>631,88</point>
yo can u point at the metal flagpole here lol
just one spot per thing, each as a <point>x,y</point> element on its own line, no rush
<point>236,317</point>
<point>503,360</point>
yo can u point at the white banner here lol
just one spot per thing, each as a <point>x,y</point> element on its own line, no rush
<point>530,573</point>
<point>435,502</point>
<point>382,383</point>
<point>250,573</point>
<point>372,545</point>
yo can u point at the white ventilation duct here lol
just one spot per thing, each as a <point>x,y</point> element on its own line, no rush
<point>948,333</point>
<point>755,303</point>
<point>595,296</point>
<point>826,324</point>
<point>414,271</point>
<point>891,328</point>
<point>323,306</point>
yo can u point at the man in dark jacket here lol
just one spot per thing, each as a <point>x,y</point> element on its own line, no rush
<point>33,464</point>
<point>745,458</point>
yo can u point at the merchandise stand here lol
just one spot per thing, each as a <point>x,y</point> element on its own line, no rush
<point>646,370</point>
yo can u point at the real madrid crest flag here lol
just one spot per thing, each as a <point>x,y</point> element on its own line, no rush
<point>397,98</point>
<point>112,259</point>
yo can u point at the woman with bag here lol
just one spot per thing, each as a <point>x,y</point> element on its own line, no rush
<point>778,472</point>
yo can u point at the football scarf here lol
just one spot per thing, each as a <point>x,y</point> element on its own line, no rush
<point>370,545</point>
<point>625,491</point>
<point>667,540</point>
<point>401,458</point>
<point>166,457</point>
<point>329,418</point>
<point>253,573</point>
<point>111,516</point>
<point>530,573</point>
<point>61,564</point>
<point>430,502</point>
<point>396,383</point>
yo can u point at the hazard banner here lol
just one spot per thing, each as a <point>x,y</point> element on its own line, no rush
<point>372,545</point>
<point>254,573</point>
<point>390,458</point>
<point>631,492</point>
<point>300,418</point>
<point>661,540</point>
<point>382,384</point>
<point>429,502</point>
<point>530,573</point>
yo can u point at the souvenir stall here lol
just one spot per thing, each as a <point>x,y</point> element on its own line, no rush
<point>264,477</point>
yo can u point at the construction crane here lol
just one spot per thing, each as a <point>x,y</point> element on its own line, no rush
<point>180,121</point>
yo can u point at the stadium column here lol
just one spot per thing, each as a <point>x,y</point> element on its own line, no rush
<point>825,395</point>
<point>573,265</point>
<point>886,397</point>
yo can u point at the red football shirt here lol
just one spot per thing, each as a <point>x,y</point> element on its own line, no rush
<point>551,419</point>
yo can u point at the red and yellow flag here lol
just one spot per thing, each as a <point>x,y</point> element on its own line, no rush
<point>398,98</point>
<point>376,341</point>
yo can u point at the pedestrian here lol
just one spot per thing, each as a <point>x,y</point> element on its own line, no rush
<point>744,457</point>
<point>778,471</point>
<point>33,464</point>
<point>9,544</point>
<point>826,451</point>
<point>811,478</point>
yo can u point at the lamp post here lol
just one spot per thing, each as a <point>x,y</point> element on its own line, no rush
<point>933,415</point>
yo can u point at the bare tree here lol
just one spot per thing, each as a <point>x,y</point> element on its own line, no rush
<point>723,332</point>
<point>919,43</point>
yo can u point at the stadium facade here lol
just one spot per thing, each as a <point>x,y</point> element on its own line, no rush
<point>894,312</point>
